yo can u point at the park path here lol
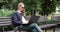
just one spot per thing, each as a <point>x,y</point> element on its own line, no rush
<point>13,31</point>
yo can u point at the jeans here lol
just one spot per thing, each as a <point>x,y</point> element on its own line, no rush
<point>34,27</point>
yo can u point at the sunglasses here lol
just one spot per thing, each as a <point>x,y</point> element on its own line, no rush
<point>21,7</point>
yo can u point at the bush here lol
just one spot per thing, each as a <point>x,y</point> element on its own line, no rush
<point>49,22</point>
<point>6,12</point>
<point>7,28</point>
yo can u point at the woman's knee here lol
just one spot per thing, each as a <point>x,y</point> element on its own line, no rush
<point>34,24</point>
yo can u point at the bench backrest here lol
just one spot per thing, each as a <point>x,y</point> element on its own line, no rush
<point>56,18</point>
<point>43,18</point>
<point>8,20</point>
<point>5,21</point>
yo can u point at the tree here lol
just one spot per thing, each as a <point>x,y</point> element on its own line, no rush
<point>48,6</point>
<point>45,7</point>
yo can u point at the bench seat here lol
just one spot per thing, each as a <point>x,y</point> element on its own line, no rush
<point>47,26</point>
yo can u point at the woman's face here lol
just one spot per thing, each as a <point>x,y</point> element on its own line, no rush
<point>21,8</point>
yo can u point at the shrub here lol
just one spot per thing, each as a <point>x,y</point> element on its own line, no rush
<point>6,12</point>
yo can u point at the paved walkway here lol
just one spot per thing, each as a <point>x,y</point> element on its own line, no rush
<point>13,31</point>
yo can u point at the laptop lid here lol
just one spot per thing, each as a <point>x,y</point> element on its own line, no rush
<point>34,18</point>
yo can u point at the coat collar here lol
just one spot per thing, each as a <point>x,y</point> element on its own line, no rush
<point>19,11</point>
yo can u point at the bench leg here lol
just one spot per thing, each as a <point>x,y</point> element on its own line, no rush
<point>16,29</point>
<point>45,30</point>
<point>54,30</point>
<point>20,30</point>
<point>2,29</point>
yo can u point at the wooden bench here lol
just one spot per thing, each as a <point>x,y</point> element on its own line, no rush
<point>56,19</point>
<point>6,21</point>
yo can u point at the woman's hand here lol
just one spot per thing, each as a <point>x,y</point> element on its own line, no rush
<point>25,22</point>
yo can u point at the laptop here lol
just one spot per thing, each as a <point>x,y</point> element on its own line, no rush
<point>34,19</point>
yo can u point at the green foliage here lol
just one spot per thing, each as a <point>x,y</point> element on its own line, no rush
<point>45,7</point>
<point>31,5</point>
<point>6,12</point>
<point>7,28</point>
<point>2,1</point>
<point>48,7</point>
<point>48,22</point>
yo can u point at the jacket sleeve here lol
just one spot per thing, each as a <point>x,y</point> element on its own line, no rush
<point>15,19</point>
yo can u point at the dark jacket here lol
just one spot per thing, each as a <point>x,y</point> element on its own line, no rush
<point>17,18</point>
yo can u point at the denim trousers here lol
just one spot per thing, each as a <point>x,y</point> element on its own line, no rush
<point>34,27</point>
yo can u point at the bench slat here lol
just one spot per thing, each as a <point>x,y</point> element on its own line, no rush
<point>5,17</point>
<point>5,24</point>
<point>48,26</point>
<point>5,21</point>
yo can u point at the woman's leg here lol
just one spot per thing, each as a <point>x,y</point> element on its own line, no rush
<point>31,27</point>
<point>36,27</point>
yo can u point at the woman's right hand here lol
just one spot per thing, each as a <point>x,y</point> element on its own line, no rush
<point>25,22</point>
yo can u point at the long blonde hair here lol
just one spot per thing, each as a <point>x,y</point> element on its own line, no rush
<point>22,4</point>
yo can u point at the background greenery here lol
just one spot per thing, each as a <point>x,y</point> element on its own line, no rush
<point>44,7</point>
<point>6,12</point>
